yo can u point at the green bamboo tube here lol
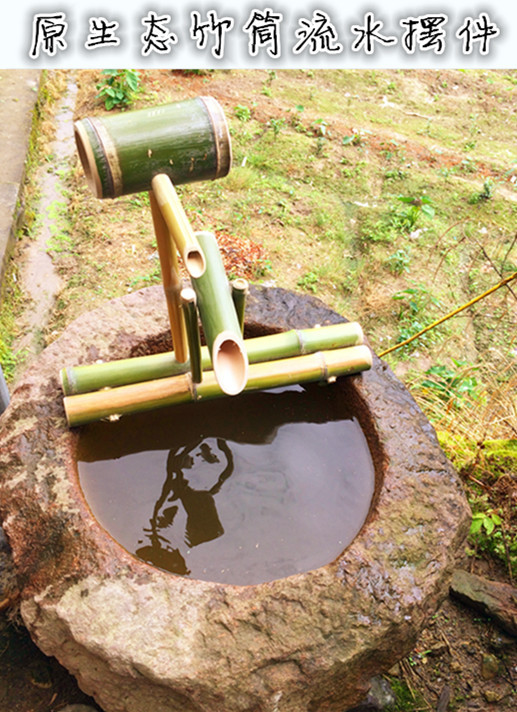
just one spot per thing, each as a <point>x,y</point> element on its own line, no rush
<point>171,281</point>
<point>91,377</point>
<point>139,397</point>
<point>188,305</point>
<point>120,153</point>
<point>219,319</point>
<point>239,294</point>
<point>178,224</point>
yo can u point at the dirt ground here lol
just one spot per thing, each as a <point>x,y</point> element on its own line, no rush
<point>462,661</point>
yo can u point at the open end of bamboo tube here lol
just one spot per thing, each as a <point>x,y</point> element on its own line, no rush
<point>194,262</point>
<point>87,158</point>
<point>230,363</point>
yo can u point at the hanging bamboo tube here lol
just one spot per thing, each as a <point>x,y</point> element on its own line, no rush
<point>138,397</point>
<point>239,294</point>
<point>178,225</point>
<point>221,327</point>
<point>120,153</point>
<point>188,307</point>
<point>91,377</point>
<point>171,281</point>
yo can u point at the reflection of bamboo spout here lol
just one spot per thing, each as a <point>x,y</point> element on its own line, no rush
<point>219,319</point>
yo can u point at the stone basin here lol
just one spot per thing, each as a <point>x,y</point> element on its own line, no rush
<point>138,638</point>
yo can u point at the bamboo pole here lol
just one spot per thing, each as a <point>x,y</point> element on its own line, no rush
<point>171,280</point>
<point>139,397</point>
<point>178,224</point>
<point>121,152</point>
<point>219,319</point>
<point>188,305</point>
<point>91,377</point>
<point>239,294</point>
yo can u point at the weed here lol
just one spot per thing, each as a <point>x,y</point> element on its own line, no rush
<point>414,302</point>
<point>277,125</point>
<point>451,385</point>
<point>416,207</point>
<point>118,88</point>
<point>486,193</point>
<point>308,281</point>
<point>243,113</point>
<point>399,261</point>
<point>354,139</point>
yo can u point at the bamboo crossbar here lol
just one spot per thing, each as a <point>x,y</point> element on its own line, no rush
<point>138,397</point>
<point>110,374</point>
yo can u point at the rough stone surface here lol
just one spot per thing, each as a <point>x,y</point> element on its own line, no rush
<point>495,599</point>
<point>140,639</point>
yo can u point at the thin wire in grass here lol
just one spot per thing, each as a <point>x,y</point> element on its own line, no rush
<point>502,283</point>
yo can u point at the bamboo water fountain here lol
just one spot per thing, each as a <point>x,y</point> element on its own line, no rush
<point>139,637</point>
<point>149,149</point>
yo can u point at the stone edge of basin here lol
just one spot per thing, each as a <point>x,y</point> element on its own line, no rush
<point>138,638</point>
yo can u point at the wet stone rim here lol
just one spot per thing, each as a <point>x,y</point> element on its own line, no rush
<point>138,638</point>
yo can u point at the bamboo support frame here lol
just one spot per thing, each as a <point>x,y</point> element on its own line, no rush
<point>171,280</point>
<point>138,397</point>
<point>239,295</point>
<point>221,327</point>
<point>188,306</point>
<point>178,225</point>
<point>90,377</point>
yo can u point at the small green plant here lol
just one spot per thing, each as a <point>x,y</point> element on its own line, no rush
<point>243,113</point>
<point>399,261</point>
<point>415,208</point>
<point>308,281</point>
<point>451,385</point>
<point>118,88</point>
<point>414,302</point>
<point>354,139</point>
<point>486,193</point>
<point>277,125</point>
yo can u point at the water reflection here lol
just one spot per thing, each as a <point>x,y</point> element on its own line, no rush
<point>202,520</point>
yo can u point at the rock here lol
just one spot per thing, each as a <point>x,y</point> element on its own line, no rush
<point>492,696</point>
<point>379,697</point>
<point>502,642</point>
<point>495,599</point>
<point>138,638</point>
<point>489,667</point>
<point>78,708</point>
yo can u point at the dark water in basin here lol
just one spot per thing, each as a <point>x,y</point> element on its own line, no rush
<point>240,490</point>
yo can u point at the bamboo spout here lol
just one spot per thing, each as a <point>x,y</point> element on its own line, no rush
<point>178,224</point>
<point>219,319</point>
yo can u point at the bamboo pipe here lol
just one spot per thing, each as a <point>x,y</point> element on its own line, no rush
<point>171,280</point>
<point>221,327</point>
<point>188,306</point>
<point>138,397</point>
<point>121,152</point>
<point>239,294</point>
<point>91,377</point>
<point>178,224</point>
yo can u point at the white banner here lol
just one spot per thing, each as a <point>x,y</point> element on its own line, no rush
<point>273,34</point>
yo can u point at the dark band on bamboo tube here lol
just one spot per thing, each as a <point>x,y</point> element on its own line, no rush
<point>121,153</point>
